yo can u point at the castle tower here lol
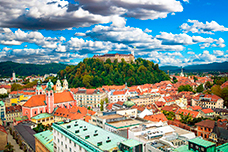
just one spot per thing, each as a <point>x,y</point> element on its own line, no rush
<point>39,89</point>
<point>49,98</point>
<point>65,84</point>
<point>58,86</point>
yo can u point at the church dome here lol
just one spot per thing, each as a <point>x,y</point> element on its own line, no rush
<point>129,103</point>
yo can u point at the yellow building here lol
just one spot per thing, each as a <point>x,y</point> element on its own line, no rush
<point>18,100</point>
<point>44,118</point>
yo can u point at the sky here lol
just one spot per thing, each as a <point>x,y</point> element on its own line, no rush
<point>167,32</point>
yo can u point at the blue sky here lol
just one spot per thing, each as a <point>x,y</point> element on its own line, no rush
<point>167,32</point>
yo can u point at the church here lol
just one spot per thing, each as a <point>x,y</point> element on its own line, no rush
<point>47,100</point>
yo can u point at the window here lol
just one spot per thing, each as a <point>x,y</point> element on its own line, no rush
<point>66,146</point>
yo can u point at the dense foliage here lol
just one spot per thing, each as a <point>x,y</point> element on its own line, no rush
<point>93,73</point>
<point>16,86</point>
<point>7,68</point>
<point>185,88</point>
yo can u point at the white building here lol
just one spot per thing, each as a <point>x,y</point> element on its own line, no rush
<point>3,91</point>
<point>80,136</point>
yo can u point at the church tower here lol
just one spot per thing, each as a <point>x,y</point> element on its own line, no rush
<point>65,84</point>
<point>58,86</point>
<point>49,98</point>
<point>39,89</point>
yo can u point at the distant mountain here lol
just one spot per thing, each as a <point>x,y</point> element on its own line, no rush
<point>198,68</point>
<point>6,68</point>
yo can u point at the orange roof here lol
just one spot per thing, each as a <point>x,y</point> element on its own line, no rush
<point>38,100</point>
<point>74,113</point>
<point>109,106</point>
<point>225,84</point>
<point>170,108</point>
<point>194,108</point>
<point>118,92</point>
<point>5,86</point>
<point>212,97</point>
<point>209,110</point>
<point>186,112</point>
<point>156,117</point>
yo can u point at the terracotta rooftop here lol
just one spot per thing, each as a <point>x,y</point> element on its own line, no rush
<point>38,100</point>
<point>156,117</point>
<point>209,110</point>
<point>186,112</point>
<point>206,123</point>
<point>12,109</point>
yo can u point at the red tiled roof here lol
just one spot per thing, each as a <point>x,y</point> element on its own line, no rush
<point>5,86</point>
<point>159,103</point>
<point>109,106</point>
<point>209,110</point>
<point>12,109</point>
<point>194,108</point>
<point>119,92</point>
<point>38,100</point>
<point>74,113</point>
<point>170,108</point>
<point>225,84</point>
<point>156,117</point>
<point>186,112</point>
<point>206,123</point>
<point>212,97</point>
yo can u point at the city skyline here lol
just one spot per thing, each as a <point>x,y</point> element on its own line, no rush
<point>168,32</point>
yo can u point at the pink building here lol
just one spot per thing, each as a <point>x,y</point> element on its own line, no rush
<point>47,102</point>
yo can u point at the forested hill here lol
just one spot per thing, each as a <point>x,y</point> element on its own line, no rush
<point>93,73</point>
<point>7,68</point>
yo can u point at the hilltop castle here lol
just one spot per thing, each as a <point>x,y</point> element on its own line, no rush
<point>127,57</point>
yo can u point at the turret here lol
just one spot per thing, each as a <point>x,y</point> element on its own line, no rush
<point>65,84</point>
<point>39,89</point>
<point>58,86</point>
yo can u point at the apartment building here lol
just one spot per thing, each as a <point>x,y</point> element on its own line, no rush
<point>12,112</point>
<point>89,97</point>
<point>145,99</point>
<point>208,101</point>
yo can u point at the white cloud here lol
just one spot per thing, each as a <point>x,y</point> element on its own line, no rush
<point>147,30</point>
<point>79,34</point>
<point>190,52</point>
<point>218,52</point>
<point>199,27</point>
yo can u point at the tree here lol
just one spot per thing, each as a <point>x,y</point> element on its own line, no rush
<point>216,90</point>
<point>200,88</point>
<point>185,88</point>
<point>208,85</point>
<point>186,119</point>
<point>102,105</point>
<point>175,80</point>
<point>16,87</point>
<point>9,148</point>
<point>195,79</point>
<point>224,96</point>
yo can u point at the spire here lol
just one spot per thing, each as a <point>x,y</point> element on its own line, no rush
<point>49,85</point>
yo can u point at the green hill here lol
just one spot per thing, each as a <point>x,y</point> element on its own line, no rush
<point>93,73</point>
<point>7,68</point>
